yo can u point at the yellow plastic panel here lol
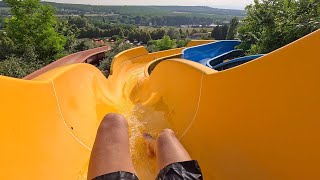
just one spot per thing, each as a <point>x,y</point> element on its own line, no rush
<point>198,42</point>
<point>256,121</point>
<point>259,120</point>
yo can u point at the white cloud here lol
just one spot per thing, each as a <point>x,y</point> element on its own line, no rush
<point>233,4</point>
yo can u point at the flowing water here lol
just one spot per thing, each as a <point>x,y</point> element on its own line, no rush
<point>141,118</point>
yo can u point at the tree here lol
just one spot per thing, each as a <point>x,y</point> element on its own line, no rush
<point>187,33</point>
<point>232,28</point>
<point>33,24</point>
<point>173,34</point>
<point>181,32</point>
<point>131,36</point>
<point>165,43</point>
<point>121,34</point>
<point>193,31</point>
<point>7,46</point>
<point>70,32</point>
<point>145,37</point>
<point>219,32</point>
<point>158,34</point>
<point>272,24</point>
<point>116,48</point>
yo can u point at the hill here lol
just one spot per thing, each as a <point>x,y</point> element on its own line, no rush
<point>223,14</point>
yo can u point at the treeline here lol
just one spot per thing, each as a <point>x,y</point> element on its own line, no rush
<point>162,20</point>
<point>148,10</point>
<point>268,26</point>
<point>93,28</point>
<point>144,15</point>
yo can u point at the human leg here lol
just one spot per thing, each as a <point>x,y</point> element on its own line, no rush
<point>110,151</point>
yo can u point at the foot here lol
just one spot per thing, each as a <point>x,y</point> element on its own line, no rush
<point>150,143</point>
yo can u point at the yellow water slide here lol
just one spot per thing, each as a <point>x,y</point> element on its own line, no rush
<point>260,120</point>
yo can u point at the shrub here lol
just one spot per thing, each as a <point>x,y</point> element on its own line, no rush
<point>105,64</point>
<point>166,43</point>
<point>17,67</point>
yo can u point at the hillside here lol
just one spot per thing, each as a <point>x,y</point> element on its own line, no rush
<point>222,14</point>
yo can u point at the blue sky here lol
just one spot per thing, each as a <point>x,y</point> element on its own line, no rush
<point>229,4</point>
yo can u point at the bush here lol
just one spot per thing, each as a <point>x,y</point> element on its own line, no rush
<point>272,24</point>
<point>183,42</point>
<point>166,43</point>
<point>152,48</point>
<point>7,46</point>
<point>84,44</point>
<point>17,67</point>
<point>105,64</point>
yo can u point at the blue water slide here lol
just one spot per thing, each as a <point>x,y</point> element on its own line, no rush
<point>203,53</point>
<point>235,62</point>
<point>227,55</point>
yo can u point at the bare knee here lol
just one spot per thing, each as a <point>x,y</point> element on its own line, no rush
<point>166,136</point>
<point>113,120</point>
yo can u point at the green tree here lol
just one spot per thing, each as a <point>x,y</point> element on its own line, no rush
<point>145,37</point>
<point>219,32</point>
<point>116,48</point>
<point>131,36</point>
<point>70,32</point>
<point>165,43</point>
<point>272,24</point>
<point>193,31</point>
<point>158,34</point>
<point>232,28</point>
<point>7,46</point>
<point>173,33</point>
<point>33,24</point>
<point>121,33</point>
<point>180,31</point>
<point>187,33</point>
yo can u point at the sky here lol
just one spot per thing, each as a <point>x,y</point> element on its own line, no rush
<point>226,4</point>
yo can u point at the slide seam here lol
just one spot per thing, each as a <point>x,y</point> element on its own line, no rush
<point>196,113</point>
<point>64,121</point>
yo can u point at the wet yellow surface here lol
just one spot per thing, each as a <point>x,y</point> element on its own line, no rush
<point>259,120</point>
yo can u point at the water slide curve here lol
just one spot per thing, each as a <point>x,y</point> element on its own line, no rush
<point>259,120</point>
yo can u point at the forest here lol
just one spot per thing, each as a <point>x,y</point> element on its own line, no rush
<point>34,34</point>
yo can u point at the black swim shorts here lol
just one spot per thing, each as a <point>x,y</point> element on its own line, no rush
<point>189,170</point>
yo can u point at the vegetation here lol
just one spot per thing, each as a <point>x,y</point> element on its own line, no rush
<point>136,10</point>
<point>32,25</point>
<point>274,23</point>
<point>165,43</point>
<point>146,15</point>
<point>105,64</point>
<point>33,35</point>
<point>232,28</point>
<point>220,32</point>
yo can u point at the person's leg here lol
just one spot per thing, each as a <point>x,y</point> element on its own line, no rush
<point>110,151</point>
<point>167,149</point>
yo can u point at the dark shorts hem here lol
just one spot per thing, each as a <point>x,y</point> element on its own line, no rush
<point>120,175</point>
<point>188,170</point>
